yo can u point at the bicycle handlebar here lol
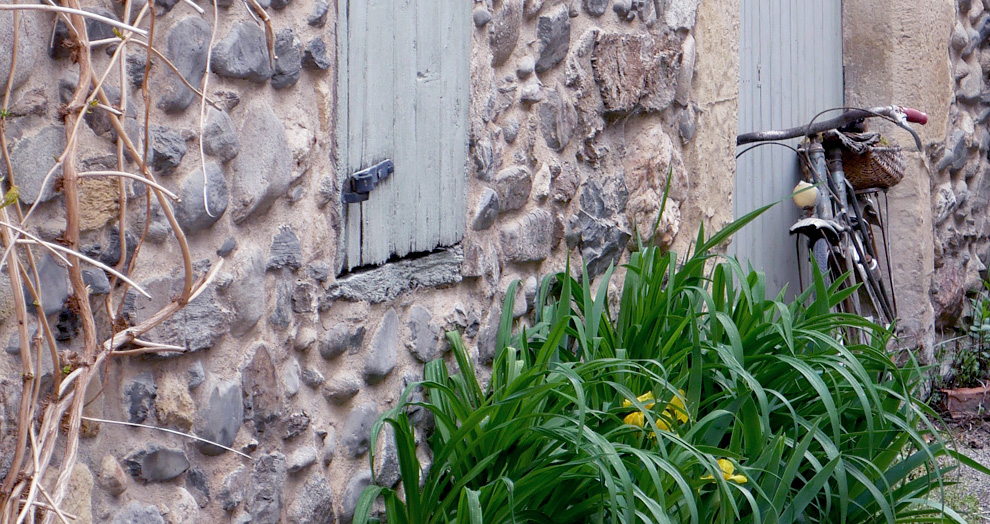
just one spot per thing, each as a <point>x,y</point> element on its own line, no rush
<point>899,115</point>
<point>914,116</point>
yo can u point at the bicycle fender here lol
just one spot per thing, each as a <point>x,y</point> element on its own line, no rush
<point>817,227</point>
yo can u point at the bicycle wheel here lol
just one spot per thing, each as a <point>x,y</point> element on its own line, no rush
<point>879,291</point>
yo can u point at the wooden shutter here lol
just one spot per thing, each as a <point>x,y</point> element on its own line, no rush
<point>403,94</point>
<point>790,69</point>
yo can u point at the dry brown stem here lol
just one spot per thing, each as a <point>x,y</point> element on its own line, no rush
<point>269,31</point>
<point>47,426</point>
<point>13,270</point>
<point>73,12</point>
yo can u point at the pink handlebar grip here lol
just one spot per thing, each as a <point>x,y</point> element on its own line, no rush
<point>915,116</point>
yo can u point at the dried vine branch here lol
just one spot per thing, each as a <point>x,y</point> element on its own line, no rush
<point>74,12</point>
<point>53,424</point>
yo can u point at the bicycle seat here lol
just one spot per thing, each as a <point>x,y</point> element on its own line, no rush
<point>818,227</point>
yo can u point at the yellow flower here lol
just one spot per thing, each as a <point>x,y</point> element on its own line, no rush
<point>626,403</point>
<point>636,418</point>
<point>676,407</point>
<point>728,472</point>
<point>675,410</point>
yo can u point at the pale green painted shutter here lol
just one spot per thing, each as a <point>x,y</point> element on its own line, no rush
<point>403,94</point>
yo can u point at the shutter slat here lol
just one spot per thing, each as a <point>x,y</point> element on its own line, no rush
<point>429,124</point>
<point>451,188</point>
<point>353,45</point>
<point>379,124</point>
<point>407,177</point>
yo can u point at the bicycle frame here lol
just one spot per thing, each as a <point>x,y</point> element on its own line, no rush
<point>838,203</point>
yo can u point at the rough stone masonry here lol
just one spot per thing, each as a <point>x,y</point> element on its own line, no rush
<point>580,110</point>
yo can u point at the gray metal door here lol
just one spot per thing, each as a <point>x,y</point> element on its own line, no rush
<point>790,69</point>
<point>403,92</point>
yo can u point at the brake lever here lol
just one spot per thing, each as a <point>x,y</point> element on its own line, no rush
<point>917,139</point>
<point>900,118</point>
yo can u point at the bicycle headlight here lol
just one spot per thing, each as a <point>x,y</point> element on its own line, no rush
<point>805,194</point>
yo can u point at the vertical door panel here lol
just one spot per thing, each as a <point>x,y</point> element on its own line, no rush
<point>790,69</point>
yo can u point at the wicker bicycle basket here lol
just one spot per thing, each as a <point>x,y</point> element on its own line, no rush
<point>879,167</point>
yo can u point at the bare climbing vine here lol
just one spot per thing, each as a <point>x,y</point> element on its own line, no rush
<point>49,425</point>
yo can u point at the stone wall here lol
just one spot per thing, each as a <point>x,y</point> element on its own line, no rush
<point>580,110</point>
<point>895,53</point>
<point>961,185</point>
<point>934,56</point>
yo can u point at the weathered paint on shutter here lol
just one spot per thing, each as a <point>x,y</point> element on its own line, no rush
<point>790,69</point>
<point>403,94</point>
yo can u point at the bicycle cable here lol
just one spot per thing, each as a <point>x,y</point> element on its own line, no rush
<point>803,156</point>
<point>754,146</point>
<point>797,152</point>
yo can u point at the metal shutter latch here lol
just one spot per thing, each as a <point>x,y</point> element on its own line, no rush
<point>362,182</point>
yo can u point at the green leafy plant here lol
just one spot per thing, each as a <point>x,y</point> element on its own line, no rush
<point>970,352</point>
<point>974,365</point>
<point>699,400</point>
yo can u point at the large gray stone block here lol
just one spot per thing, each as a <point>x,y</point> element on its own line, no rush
<point>390,280</point>
<point>504,30</point>
<point>220,418</point>
<point>139,397</point>
<point>285,250</point>
<point>243,53</point>
<point>266,489</point>
<point>553,31</point>
<point>263,176</point>
<point>340,338</point>
<point>342,388</point>
<point>247,291</point>
<point>383,351</point>
<point>636,72</point>
<point>301,459</point>
<point>288,62</point>
<point>528,239</point>
<point>219,136</point>
<point>33,157</point>
<point>53,288</point>
<point>197,326</point>
<point>486,211</point>
<point>193,212</point>
<point>315,55</point>
<point>356,434</point>
<point>136,512</point>
<point>186,46</point>
<point>514,186</point>
<point>354,488</point>
<point>313,504</point>
<point>156,463</point>
<point>558,118</point>
<point>167,149</point>
<point>32,39</point>
<point>261,389</point>
<point>424,337</point>
<point>595,7</point>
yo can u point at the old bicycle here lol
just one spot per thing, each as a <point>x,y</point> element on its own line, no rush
<point>843,213</point>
